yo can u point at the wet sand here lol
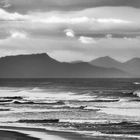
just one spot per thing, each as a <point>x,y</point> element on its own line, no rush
<point>10,135</point>
<point>23,133</point>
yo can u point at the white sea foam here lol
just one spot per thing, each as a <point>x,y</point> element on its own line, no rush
<point>97,133</point>
<point>83,121</point>
<point>122,112</point>
<point>136,83</point>
<point>122,104</point>
<point>11,92</point>
<point>91,108</point>
<point>55,96</point>
<point>41,94</point>
<point>36,89</point>
<point>34,110</point>
<point>137,93</point>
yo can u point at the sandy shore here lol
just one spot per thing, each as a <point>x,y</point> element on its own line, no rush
<point>37,134</point>
<point>22,133</point>
<point>11,135</point>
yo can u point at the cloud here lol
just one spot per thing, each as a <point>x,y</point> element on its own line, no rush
<point>20,35</point>
<point>11,16</point>
<point>66,49</point>
<point>91,32</point>
<point>87,40</point>
<point>69,33</point>
<point>5,3</point>
<point>22,6</point>
<point>81,23</point>
<point>117,21</point>
<point>109,36</point>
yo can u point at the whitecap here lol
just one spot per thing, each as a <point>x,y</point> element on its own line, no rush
<point>136,83</point>
<point>137,93</point>
<point>121,112</point>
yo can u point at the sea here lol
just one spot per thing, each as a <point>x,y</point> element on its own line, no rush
<point>107,109</point>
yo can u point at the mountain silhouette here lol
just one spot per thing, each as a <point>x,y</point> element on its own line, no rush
<point>131,66</point>
<point>43,66</point>
<point>106,62</point>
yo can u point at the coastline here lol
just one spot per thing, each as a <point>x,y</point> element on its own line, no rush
<point>22,133</point>
<point>13,135</point>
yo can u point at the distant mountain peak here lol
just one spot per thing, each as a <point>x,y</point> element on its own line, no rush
<point>106,61</point>
<point>107,58</point>
<point>133,61</point>
<point>40,54</point>
<point>34,54</point>
<point>131,66</point>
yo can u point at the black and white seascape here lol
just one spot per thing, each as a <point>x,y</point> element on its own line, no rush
<point>69,69</point>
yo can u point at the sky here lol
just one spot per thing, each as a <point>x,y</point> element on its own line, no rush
<point>70,30</point>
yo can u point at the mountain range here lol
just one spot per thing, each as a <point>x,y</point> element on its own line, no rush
<point>43,66</point>
<point>131,66</point>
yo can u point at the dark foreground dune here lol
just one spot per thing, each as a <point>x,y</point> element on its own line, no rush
<point>10,135</point>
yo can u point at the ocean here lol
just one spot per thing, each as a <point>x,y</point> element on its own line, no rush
<point>99,108</point>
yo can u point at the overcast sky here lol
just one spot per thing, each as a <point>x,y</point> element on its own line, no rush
<point>71,30</point>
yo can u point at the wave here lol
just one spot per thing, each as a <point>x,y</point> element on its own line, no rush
<point>136,93</point>
<point>13,97</point>
<point>82,121</point>
<point>130,109</point>
<point>103,100</point>
<point>92,108</point>
<point>53,103</point>
<point>40,103</point>
<point>132,94</point>
<point>79,107</point>
<point>70,107</point>
<point>37,89</point>
<point>5,101</point>
<point>106,127</point>
<point>39,121</point>
<point>40,94</point>
<point>134,100</point>
<point>136,83</point>
<point>36,94</point>
<point>23,102</point>
<point>5,109</point>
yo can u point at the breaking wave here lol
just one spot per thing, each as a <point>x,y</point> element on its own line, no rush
<point>136,83</point>
<point>136,93</point>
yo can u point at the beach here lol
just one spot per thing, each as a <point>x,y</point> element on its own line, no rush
<point>25,133</point>
<point>11,135</point>
<point>20,133</point>
<point>70,109</point>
